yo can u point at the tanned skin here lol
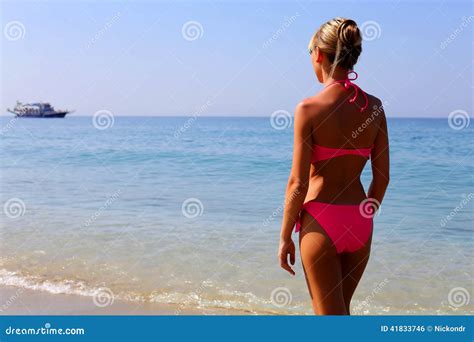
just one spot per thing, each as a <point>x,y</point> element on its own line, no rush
<point>328,119</point>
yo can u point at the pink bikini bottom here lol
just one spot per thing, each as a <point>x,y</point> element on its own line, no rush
<point>348,228</point>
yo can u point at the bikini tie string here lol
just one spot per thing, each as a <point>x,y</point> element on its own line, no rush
<point>347,83</point>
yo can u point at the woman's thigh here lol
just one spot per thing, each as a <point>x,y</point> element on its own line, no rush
<point>353,266</point>
<point>322,267</point>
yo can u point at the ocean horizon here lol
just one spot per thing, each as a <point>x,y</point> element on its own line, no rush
<point>186,210</point>
<point>75,115</point>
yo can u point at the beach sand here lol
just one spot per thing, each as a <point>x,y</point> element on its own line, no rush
<point>18,301</point>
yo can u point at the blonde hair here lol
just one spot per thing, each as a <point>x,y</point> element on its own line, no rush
<point>340,40</point>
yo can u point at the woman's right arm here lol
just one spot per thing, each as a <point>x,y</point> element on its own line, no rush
<point>380,163</point>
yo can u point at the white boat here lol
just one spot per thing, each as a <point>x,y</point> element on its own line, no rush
<point>37,110</point>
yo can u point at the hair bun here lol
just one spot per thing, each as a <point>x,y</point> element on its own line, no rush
<point>349,43</point>
<point>340,40</point>
<point>349,35</point>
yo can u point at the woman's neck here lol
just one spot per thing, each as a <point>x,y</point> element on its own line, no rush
<point>338,75</point>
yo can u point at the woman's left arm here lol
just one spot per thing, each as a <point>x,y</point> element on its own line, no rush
<point>297,184</point>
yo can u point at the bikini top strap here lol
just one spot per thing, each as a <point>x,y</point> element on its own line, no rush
<point>348,83</point>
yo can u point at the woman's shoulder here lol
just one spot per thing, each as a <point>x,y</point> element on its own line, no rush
<point>306,104</point>
<point>311,106</point>
<point>376,105</point>
<point>374,99</point>
<point>318,107</point>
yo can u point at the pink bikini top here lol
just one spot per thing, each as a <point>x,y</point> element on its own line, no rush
<point>324,153</point>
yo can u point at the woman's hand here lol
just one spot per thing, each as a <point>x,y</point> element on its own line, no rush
<point>287,248</point>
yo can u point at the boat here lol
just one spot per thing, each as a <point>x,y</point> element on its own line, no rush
<point>37,110</point>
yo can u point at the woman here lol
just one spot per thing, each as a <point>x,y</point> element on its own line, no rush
<point>335,133</point>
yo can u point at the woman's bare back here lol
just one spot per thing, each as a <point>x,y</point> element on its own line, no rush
<point>337,123</point>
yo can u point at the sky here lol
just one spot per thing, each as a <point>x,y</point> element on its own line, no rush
<point>232,58</point>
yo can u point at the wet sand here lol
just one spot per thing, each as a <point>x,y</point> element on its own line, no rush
<point>18,301</point>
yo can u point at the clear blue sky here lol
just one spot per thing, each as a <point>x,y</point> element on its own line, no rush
<point>131,57</point>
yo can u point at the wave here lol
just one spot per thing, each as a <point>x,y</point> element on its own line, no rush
<point>35,283</point>
<point>227,300</point>
<point>239,302</point>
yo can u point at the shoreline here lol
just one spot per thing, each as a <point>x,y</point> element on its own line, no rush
<point>19,301</point>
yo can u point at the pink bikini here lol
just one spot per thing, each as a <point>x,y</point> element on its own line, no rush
<point>348,227</point>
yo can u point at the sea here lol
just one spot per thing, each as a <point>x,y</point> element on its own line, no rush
<point>187,211</point>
